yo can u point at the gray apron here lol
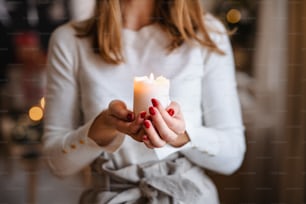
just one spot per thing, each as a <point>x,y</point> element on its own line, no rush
<point>151,182</point>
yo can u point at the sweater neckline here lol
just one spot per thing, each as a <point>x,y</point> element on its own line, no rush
<point>143,33</point>
<point>141,30</point>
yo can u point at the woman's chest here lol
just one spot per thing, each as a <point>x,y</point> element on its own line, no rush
<point>100,83</point>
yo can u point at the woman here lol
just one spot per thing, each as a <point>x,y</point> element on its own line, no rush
<point>157,156</point>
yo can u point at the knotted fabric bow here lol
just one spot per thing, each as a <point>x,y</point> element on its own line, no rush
<point>152,182</point>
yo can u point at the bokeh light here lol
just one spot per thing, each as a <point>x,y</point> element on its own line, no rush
<point>36,113</point>
<point>233,16</point>
<point>42,102</point>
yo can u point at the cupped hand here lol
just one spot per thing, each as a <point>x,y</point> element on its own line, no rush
<point>165,125</point>
<point>116,118</point>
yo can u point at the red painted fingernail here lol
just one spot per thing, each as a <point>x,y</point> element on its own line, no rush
<point>145,138</point>
<point>146,124</point>
<point>129,116</point>
<point>154,102</point>
<point>152,111</point>
<point>171,112</point>
<point>143,114</point>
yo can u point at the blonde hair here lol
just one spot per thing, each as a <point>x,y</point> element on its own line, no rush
<point>182,21</point>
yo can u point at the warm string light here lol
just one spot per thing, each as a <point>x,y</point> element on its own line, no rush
<point>233,16</point>
<point>36,113</point>
<point>42,102</point>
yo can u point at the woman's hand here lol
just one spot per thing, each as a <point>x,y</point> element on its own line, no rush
<point>165,126</point>
<point>117,118</point>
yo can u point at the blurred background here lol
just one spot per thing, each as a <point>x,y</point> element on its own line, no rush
<point>269,45</point>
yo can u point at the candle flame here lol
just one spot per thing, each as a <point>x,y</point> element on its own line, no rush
<point>151,77</point>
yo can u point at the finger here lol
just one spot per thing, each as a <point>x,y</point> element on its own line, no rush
<point>153,136</point>
<point>139,136</point>
<point>173,109</point>
<point>120,125</point>
<point>133,129</point>
<point>147,142</point>
<point>119,110</point>
<point>161,126</point>
<point>125,127</point>
<point>169,112</point>
<point>137,123</point>
<point>172,116</point>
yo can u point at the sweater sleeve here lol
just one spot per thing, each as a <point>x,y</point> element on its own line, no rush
<point>66,143</point>
<point>219,144</point>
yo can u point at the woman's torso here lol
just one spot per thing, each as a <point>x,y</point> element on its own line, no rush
<point>145,52</point>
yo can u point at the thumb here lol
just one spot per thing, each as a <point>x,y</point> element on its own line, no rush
<point>119,110</point>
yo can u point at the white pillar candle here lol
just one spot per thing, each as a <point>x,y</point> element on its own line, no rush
<point>146,88</point>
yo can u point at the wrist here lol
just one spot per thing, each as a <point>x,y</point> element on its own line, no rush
<point>181,140</point>
<point>101,131</point>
